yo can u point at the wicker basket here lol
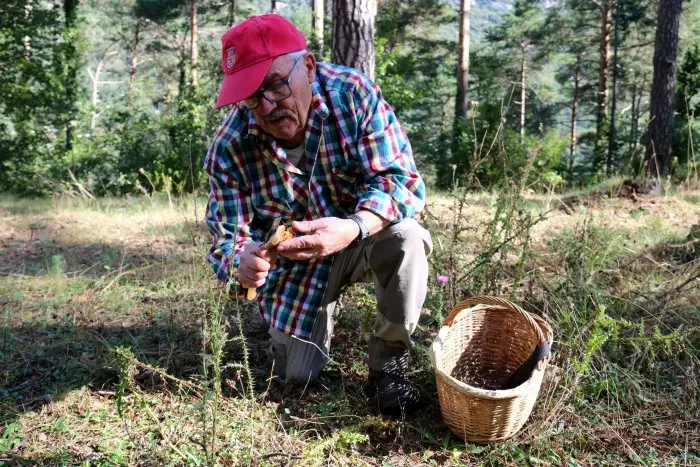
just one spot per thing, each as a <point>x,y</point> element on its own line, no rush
<point>483,342</point>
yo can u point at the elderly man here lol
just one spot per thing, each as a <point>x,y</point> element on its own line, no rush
<point>317,145</point>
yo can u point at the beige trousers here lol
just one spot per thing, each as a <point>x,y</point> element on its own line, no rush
<point>395,259</point>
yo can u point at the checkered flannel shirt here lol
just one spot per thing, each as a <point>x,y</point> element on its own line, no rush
<point>357,158</point>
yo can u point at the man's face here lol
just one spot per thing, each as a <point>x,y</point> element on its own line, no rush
<point>286,120</point>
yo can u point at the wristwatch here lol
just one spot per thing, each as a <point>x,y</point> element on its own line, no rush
<point>364,231</point>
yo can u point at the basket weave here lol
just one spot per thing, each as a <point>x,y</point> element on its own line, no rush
<point>483,342</point>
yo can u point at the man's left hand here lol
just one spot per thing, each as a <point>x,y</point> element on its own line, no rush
<point>321,237</point>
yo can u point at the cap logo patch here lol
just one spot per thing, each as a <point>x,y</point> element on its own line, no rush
<point>230,58</point>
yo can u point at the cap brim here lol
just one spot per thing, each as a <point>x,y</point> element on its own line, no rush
<point>243,83</point>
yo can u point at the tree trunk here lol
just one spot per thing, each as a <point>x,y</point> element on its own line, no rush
<point>353,34</point>
<point>182,66</point>
<point>663,89</point>
<point>194,48</point>
<point>95,79</point>
<point>134,52</point>
<point>231,13</point>
<point>603,72</point>
<point>318,27</point>
<point>26,40</point>
<point>70,9</point>
<point>170,92</point>
<point>612,143</point>
<point>633,122</point>
<point>574,108</point>
<point>523,97</point>
<point>462,101</point>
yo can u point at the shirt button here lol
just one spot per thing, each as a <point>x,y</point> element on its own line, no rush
<point>319,286</point>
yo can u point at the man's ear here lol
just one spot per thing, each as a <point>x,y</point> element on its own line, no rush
<point>310,65</point>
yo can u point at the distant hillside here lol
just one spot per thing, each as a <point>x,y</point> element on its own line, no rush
<point>484,14</point>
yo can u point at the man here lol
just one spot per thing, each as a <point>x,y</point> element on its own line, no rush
<point>315,143</point>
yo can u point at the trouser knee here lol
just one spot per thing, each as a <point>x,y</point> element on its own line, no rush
<point>403,241</point>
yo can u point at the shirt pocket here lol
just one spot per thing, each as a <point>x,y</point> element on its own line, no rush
<point>344,182</point>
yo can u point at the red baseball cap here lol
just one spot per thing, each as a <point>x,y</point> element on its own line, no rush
<point>249,48</point>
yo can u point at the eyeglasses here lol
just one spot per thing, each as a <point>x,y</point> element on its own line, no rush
<point>274,93</point>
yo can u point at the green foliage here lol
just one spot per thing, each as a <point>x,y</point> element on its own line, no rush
<point>339,442</point>
<point>615,343</point>
<point>32,98</point>
<point>159,11</point>
<point>413,67</point>
<point>144,127</point>
<point>603,328</point>
<point>687,134</point>
<point>504,237</point>
<point>11,437</point>
<point>486,159</point>
<point>127,371</point>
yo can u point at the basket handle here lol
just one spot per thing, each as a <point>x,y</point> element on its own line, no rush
<point>502,302</point>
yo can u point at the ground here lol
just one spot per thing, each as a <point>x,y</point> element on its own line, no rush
<point>119,348</point>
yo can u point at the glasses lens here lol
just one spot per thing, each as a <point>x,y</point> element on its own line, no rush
<point>274,93</point>
<point>277,92</point>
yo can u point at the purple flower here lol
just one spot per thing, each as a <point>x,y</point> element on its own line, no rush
<point>443,279</point>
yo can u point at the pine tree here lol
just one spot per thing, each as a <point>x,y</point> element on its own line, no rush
<point>353,34</point>
<point>663,89</point>
<point>462,99</point>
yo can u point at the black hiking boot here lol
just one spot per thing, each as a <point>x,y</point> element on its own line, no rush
<point>389,390</point>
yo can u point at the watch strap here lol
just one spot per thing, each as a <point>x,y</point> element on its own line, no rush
<point>364,230</point>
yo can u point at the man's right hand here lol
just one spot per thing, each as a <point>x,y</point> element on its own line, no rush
<point>254,265</point>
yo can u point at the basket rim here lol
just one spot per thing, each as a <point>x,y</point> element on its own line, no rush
<point>468,304</point>
<point>492,394</point>
<point>504,305</point>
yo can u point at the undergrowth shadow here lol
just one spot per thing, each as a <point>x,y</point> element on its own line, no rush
<point>89,260</point>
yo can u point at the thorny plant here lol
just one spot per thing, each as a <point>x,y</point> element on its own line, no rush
<point>504,237</point>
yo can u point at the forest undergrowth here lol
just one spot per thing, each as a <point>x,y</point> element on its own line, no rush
<point>118,347</point>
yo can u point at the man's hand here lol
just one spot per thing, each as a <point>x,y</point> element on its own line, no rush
<point>322,237</point>
<point>254,265</point>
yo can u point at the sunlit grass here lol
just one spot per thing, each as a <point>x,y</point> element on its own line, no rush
<point>143,284</point>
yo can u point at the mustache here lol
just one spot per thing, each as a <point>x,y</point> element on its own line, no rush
<point>277,114</point>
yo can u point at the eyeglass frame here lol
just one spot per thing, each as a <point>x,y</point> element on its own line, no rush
<point>261,91</point>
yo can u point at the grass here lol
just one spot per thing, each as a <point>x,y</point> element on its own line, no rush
<point>119,348</point>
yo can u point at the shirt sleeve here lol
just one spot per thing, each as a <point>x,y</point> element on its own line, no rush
<point>393,188</point>
<point>229,212</point>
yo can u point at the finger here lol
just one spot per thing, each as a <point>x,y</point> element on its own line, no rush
<point>255,263</point>
<point>304,242</point>
<point>258,276</point>
<point>249,282</point>
<point>308,226</point>
<point>266,255</point>
<point>251,247</point>
<point>261,265</point>
<point>301,255</point>
<point>256,284</point>
<point>272,256</point>
<point>254,276</point>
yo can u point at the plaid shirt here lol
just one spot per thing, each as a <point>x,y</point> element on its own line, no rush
<point>357,158</point>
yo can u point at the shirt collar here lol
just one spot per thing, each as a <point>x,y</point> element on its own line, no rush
<point>318,103</point>
<point>253,128</point>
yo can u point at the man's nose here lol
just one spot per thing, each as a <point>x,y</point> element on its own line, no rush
<point>266,106</point>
